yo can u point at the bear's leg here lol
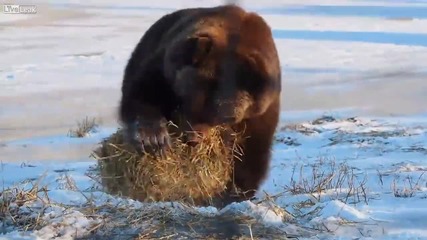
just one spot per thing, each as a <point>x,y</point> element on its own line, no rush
<point>147,100</point>
<point>252,168</point>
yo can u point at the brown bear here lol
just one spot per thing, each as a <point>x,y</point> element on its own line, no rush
<point>213,66</point>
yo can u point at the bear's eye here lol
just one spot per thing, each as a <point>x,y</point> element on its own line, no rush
<point>200,47</point>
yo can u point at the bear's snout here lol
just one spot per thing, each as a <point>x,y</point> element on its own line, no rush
<point>196,135</point>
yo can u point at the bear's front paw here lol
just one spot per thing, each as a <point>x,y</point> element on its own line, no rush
<point>154,136</point>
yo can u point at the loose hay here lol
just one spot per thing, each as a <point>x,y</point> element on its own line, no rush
<point>195,175</point>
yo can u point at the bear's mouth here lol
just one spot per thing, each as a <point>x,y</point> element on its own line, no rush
<point>196,135</point>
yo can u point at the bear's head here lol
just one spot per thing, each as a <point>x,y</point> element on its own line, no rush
<point>220,77</point>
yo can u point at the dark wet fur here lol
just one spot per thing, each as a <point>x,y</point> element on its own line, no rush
<point>211,75</point>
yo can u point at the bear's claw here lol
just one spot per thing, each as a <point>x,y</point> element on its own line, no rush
<point>154,137</point>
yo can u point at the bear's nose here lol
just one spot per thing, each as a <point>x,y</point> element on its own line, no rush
<point>193,138</point>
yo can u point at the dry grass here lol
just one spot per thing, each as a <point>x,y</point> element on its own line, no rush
<point>338,181</point>
<point>178,221</point>
<point>28,210</point>
<point>193,175</point>
<point>409,187</point>
<point>84,127</point>
<point>13,214</point>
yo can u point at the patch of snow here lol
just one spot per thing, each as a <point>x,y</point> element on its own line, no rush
<point>336,208</point>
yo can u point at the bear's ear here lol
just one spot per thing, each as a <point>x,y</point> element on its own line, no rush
<point>199,47</point>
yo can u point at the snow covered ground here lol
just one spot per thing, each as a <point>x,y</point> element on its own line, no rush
<point>349,157</point>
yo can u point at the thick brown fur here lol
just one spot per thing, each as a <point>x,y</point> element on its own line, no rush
<point>211,66</point>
